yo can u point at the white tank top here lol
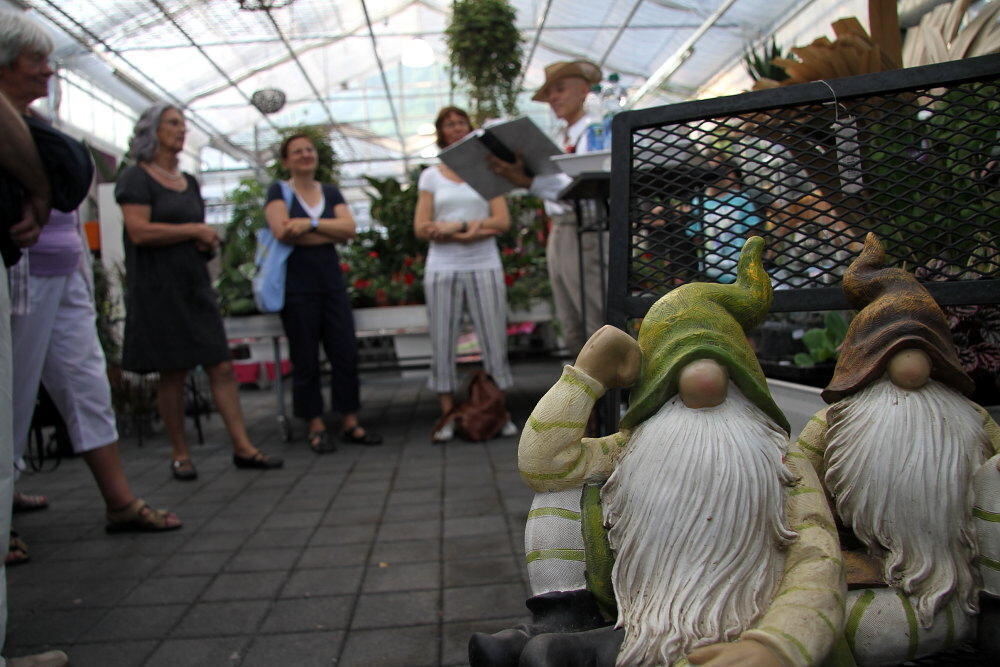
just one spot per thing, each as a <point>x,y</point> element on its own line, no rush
<point>457,202</point>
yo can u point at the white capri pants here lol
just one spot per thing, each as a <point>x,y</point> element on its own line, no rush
<point>447,293</point>
<point>56,343</point>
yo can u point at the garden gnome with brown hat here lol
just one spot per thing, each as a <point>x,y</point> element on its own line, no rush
<point>703,542</point>
<point>902,454</point>
<point>565,90</point>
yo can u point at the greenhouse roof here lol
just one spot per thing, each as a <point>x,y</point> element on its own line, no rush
<point>364,68</point>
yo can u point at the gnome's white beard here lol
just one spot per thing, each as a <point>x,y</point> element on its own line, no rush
<point>900,465</point>
<point>697,515</point>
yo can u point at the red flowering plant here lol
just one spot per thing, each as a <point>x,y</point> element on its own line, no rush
<point>522,252</point>
<point>384,265</point>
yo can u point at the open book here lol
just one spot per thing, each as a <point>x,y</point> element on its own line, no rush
<point>505,139</point>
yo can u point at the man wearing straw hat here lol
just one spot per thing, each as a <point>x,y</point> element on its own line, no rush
<point>565,91</point>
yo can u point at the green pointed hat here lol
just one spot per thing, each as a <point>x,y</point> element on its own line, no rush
<point>706,321</point>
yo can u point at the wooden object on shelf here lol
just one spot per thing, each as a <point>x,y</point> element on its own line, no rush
<point>883,19</point>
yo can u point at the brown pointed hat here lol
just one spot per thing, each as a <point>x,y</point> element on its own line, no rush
<point>895,313</point>
<point>705,321</point>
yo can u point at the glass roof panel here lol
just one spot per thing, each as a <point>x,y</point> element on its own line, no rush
<point>211,56</point>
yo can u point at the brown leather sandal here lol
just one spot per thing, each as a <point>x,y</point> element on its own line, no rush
<point>139,517</point>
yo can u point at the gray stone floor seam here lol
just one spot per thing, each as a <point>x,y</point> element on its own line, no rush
<point>387,555</point>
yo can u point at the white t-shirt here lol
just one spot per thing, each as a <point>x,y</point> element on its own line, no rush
<point>457,202</point>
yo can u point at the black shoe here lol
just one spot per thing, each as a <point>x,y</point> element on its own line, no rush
<point>259,461</point>
<point>184,470</point>
<point>360,436</point>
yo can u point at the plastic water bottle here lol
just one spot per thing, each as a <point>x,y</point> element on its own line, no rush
<point>593,107</point>
<point>613,98</point>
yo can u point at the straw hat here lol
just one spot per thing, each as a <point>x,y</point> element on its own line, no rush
<point>563,69</point>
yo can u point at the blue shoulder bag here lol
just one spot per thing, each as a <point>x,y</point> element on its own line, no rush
<point>271,260</point>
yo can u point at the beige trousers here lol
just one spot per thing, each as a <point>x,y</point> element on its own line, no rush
<point>573,304</point>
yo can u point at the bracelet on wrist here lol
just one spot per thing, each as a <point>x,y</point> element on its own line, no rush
<point>464,228</point>
<point>314,223</point>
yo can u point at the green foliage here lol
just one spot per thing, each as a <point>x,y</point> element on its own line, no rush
<point>108,313</point>
<point>522,252</point>
<point>822,344</point>
<point>486,53</point>
<point>234,281</point>
<point>760,65</point>
<point>384,264</point>
<point>922,176</point>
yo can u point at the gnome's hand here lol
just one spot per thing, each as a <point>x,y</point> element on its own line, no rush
<point>744,653</point>
<point>611,357</point>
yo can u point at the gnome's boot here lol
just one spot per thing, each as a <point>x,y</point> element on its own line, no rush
<point>558,611</point>
<point>988,639</point>
<point>594,648</point>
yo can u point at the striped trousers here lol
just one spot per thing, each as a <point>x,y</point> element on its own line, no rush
<point>484,293</point>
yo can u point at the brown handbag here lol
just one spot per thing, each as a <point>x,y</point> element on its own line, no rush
<point>483,414</point>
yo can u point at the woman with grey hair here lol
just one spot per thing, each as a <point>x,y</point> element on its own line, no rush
<point>172,320</point>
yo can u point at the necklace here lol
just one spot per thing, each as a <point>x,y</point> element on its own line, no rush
<point>172,175</point>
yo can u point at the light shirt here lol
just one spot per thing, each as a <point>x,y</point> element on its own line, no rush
<point>59,246</point>
<point>548,187</point>
<point>727,219</point>
<point>314,212</point>
<point>457,202</point>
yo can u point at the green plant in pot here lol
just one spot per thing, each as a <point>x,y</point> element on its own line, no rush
<point>822,344</point>
<point>234,283</point>
<point>486,52</point>
<point>760,64</point>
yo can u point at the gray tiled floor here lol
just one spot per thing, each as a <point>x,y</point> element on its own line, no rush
<point>386,555</point>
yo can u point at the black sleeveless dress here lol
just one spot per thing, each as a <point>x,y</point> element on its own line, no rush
<point>172,319</point>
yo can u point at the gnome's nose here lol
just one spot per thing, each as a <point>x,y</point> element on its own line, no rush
<point>910,369</point>
<point>703,384</point>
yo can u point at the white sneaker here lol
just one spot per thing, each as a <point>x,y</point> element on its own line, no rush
<point>509,429</point>
<point>47,659</point>
<point>444,434</point>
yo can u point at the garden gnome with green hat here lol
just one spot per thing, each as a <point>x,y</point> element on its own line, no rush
<point>902,453</point>
<point>706,541</point>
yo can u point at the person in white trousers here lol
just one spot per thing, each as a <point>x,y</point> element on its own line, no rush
<point>20,165</point>
<point>463,270</point>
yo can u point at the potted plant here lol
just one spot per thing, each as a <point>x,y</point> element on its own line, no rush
<point>485,53</point>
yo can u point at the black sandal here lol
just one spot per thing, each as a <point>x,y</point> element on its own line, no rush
<point>351,436</point>
<point>259,461</point>
<point>319,442</point>
<point>183,469</point>
<point>17,551</point>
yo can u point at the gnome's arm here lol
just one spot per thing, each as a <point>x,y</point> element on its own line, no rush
<point>806,614</point>
<point>992,430</point>
<point>812,440</point>
<point>553,454</point>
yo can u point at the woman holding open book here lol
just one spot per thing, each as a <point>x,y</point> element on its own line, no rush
<point>463,270</point>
